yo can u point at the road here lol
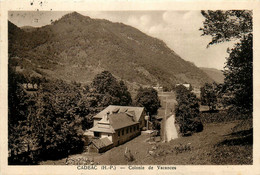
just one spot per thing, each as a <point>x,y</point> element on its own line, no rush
<point>168,101</point>
<point>170,128</point>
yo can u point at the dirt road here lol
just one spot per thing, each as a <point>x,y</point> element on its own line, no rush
<point>170,128</point>
<point>168,101</point>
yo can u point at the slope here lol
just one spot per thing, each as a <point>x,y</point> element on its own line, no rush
<point>76,48</point>
<point>214,74</point>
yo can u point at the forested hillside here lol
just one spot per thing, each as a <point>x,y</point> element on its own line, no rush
<point>77,47</point>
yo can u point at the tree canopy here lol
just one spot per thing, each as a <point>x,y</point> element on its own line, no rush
<point>239,75</point>
<point>187,111</point>
<point>148,98</point>
<point>225,26</point>
<point>49,123</point>
<point>110,91</point>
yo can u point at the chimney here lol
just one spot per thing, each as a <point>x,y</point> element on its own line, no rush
<point>107,115</point>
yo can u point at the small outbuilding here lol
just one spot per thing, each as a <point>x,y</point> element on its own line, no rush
<point>100,145</point>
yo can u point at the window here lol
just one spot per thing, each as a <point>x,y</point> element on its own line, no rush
<point>118,133</point>
<point>137,127</point>
<point>122,132</point>
<point>134,128</point>
<point>127,130</point>
<point>131,129</point>
<point>96,134</point>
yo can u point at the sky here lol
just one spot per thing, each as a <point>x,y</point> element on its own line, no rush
<point>178,29</point>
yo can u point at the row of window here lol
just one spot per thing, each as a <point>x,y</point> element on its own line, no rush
<point>128,129</point>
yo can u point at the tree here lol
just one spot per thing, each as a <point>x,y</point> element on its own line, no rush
<point>209,95</point>
<point>187,111</point>
<point>148,98</point>
<point>225,26</point>
<point>57,123</point>
<point>109,91</point>
<point>51,123</point>
<point>239,75</point>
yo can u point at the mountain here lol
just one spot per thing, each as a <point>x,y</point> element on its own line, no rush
<point>215,74</point>
<point>28,28</point>
<point>76,48</point>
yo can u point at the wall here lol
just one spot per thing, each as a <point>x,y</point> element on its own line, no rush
<point>92,149</point>
<point>142,120</point>
<point>109,136</point>
<point>96,120</point>
<point>127,136</point>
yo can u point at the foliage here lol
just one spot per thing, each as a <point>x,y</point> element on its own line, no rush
<point>226,25</point>
<point>59,117</point>
<point>45,124</point>
<point>108,91</point>
<point>49,123</point>
<point>148,98</point>
<point>238,71</point>
<point>209,95</point>
<point>187,111</point>
<point>77,42</point>
<point>239,75</point>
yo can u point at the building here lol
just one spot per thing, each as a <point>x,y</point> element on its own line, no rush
<point>196,91</point>
<point>158,88</point>
<point>116,125</point>
<point>30,86</point>
<point>188,86</point>
<point>137,112</point>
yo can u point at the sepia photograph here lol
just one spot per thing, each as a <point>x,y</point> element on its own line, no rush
<point>128,89</point>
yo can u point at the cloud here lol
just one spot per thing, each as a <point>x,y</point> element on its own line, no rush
<point>145,20</point>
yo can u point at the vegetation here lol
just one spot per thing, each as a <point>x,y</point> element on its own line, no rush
<point>208,95</point>
<point>49,123</point>
<point>110,90</point>
<point>187,111</point>
<point>75,46</point>
<point>239,75</point>
<point>238,72</point>
<point>148,98</point>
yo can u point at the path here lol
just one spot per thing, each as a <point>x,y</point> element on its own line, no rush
<point>168,101</point>
<point>170,128</point>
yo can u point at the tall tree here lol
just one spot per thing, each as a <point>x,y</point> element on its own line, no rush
<point>187,111</point>
<point>148,98</point>
<point>109,91</point>
<point>225,26</point>
<point>239,75</point>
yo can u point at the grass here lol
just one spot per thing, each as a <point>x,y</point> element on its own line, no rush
<point>218,144</point>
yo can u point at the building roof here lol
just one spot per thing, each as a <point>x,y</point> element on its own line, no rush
<point>101,143</point>
<point>112,122</point>
<point>103,126</point>
<point>121,120</point>
<point>136,111</point>
<point>100,128</point>
<point>185,85</point>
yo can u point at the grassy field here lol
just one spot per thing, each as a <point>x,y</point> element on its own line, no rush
<point>219,143</point>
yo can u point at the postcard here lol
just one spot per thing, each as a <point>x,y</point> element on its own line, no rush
<point>123,87</point>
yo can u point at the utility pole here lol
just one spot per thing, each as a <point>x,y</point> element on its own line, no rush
<point>147,126</point>
<point>165,119</point>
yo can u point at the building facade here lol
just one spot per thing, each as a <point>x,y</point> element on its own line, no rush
<point>118,124</point>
